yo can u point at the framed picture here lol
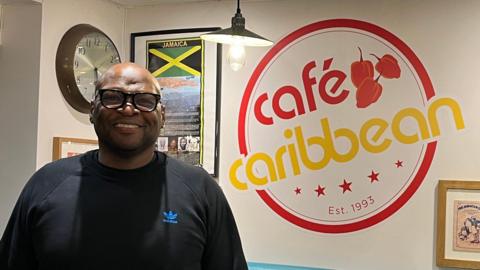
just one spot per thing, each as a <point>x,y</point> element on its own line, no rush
<point>188,71</point>
<point>458,224</point>
<point>68,147</point>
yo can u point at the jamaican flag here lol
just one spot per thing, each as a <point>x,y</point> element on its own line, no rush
<point>175,57</point>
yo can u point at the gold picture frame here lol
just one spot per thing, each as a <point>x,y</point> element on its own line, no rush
<point>66,147</point>
<point>458,224</point>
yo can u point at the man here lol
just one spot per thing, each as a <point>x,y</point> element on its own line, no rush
<point>124,206</point>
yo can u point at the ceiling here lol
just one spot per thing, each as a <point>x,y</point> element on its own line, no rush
<point>131,3</point>
<point>10,2</point>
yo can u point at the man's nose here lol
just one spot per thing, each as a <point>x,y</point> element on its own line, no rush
<point>128,107</point>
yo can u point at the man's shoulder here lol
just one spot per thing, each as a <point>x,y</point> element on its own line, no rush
<point>183,169</point>
<point>51,175</point>
<point>194,177</point>
<point>62,166</point>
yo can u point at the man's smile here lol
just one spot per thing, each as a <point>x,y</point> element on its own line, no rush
<point>126,125</point>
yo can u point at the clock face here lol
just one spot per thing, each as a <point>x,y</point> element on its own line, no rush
<point>94,54</point>
<point>83,55</point>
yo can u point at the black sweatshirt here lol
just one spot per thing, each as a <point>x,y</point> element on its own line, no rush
<point>76,213</point>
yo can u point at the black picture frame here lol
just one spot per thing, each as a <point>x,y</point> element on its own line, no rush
<point>210,80</point>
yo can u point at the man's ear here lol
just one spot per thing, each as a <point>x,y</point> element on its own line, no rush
<point>92,109</point>
<point>162,114</point>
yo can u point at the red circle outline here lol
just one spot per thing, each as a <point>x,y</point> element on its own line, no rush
<point>429,152</point>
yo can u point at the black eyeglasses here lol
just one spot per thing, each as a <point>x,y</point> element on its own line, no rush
<point>114,99</point>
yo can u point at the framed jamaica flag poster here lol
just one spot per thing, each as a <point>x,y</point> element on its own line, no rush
<point>188,71</point>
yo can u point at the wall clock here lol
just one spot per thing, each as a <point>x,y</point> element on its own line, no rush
<point>83,55</point>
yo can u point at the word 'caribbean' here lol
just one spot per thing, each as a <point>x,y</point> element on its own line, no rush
<point>296,152</point>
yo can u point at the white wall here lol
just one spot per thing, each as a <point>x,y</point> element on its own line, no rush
<point>443,34</point>
<point>19,75</point>
<point>56,117</point>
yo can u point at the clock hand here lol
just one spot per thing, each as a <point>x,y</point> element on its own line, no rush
<point>84,59</point>
<point>95,74</point>
<point>103,60</point>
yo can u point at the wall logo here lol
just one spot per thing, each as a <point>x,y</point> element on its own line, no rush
<point>338,126</point>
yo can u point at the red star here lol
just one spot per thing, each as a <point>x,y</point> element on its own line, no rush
<point>345,186</point>
<point>298,191</point>
<point>399,163</point>
<point>320,191</point>
<point>373,176</point>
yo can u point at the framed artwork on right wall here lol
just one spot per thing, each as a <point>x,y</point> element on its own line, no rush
<point>458,224</point>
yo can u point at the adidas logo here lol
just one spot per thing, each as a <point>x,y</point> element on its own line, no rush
<point>170,217</point>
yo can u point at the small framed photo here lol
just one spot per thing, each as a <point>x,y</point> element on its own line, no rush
<point>162,144</point>
<point>69,147</point>
<point>458,224</point>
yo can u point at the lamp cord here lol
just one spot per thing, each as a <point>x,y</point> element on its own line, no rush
<point>238,6</point>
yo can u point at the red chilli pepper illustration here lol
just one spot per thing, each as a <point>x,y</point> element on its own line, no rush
<point>368,92</point>
<point>387,66</point>
<point>361,70</point>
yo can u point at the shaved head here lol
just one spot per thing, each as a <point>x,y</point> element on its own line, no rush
<point>128,70</point>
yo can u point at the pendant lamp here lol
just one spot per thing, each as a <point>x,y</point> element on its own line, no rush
<point>237,37</point>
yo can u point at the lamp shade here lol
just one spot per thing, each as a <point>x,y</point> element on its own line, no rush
<point>237,34</point>
<point>243,37</point>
